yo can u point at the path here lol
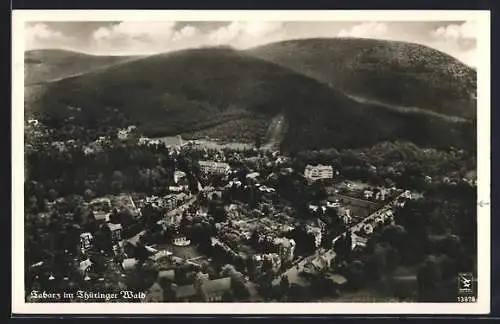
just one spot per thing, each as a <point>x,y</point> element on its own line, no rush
<point>406,109</point>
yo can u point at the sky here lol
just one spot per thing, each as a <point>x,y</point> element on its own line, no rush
<point>457,38</point>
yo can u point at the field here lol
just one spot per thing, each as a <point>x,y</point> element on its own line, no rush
<point>124,202</point>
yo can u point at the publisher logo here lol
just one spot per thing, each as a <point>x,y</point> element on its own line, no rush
<point>465,283</point>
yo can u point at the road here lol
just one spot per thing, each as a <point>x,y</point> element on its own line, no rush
<point>330,254</point>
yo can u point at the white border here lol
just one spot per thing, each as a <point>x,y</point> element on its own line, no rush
<point>19,306</point>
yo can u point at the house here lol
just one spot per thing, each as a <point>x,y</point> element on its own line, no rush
<point>116,231</point>
<point>213,290</point>
<point>253,175</point>
<point>33,122</point>
<point>358,241</point>
<point>178,189</point>
<point>368,194</point>
<point>214,167</point>
<point>316,232</point>
<point>334,204</point>
<point>84,266</point>
<point>286,248</point>
<point>178,176</point>
<point>317,172</point>
<point>129,264</point>
<point>275,260</point>
<point>173,201</point>
<point>122,134</point>
<point>85,241</point>
<point>101,208</point>
<point>406,194</point>
<point>180,239</point>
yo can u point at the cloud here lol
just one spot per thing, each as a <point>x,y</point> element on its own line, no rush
<point>40,35</point>
<point>185,32</point>
<point>464,31</point>
<point>469,57</point>
<point>459,40</point>
<point>247,34</point>
<point>366,30</point>
<point>141,37</point>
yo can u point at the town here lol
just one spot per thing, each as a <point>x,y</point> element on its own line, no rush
<point>184,222</point>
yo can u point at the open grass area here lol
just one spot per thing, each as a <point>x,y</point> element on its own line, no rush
<point>185,252</point>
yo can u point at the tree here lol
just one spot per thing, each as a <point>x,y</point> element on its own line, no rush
<point>53,194</point>
<point>89,195</point>
<point>356,274</point>
<point>428,276</point>
<point>227,296</point>
<point>239,289</point>
<point>284,284</point>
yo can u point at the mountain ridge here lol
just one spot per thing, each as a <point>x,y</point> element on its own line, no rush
<point>189,90</point>
<point>391,72</point>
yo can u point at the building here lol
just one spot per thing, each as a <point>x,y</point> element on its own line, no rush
<point>86,241</point>
<point>214,167</point>
<point>116,231</point>
<point>84,266</point>
<point>316,232</point>
<point>286,248</point>
<point>317,172</point>
<point>368,194</point>
<point>180,240</point>
<point>172,201</point>
<point>274,259</point>
<point>129,264</point>
<point>253,176</point>
<point>358,241</point>
<point>178,176</point>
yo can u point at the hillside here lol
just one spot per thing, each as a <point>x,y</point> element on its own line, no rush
<point>199,89</point>
<point>391,72</point>
<point>51,64</point>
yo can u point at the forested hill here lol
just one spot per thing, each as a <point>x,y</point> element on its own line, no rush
<point>195,89</point>
<point>391,72</point>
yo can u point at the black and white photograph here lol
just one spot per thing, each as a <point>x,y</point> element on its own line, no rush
<point>251,161</point>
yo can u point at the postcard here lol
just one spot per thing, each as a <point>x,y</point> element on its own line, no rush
<point>251,162</point>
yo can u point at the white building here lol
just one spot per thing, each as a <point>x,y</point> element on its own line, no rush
<point>316,232</point>
<point>180,240</point>
<point>179,175</point>
<point>317,172</point>
<point>214,167</point>
<point>85,241</point>
<point>116,231</point>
